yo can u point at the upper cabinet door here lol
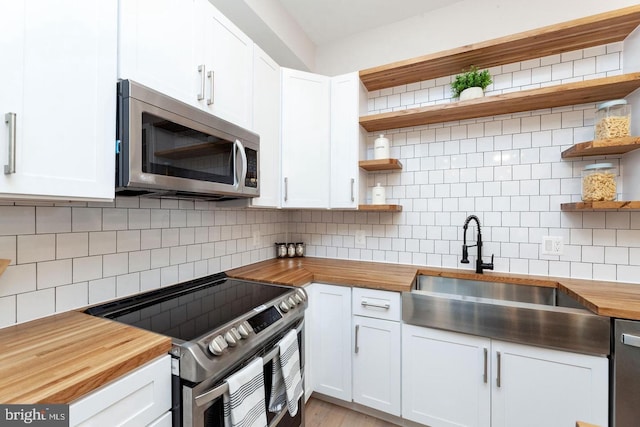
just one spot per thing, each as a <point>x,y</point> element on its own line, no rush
<point>61,61</point>
<point>348,139</point>
<point>157,46</point>
<point>305,139</point>
<point>228,55</point>
<point>266,123</point>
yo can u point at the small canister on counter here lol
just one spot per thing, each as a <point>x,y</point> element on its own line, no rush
<point>599,182</point>
<point>299,249</point>
<point>613,120</point>
<point>281,250</point>
<point>291,250</point>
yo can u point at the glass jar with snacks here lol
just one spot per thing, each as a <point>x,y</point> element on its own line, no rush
<point>613,120</point>
<point>598,182</point>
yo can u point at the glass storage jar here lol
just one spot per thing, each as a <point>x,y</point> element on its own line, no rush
<point>599,182</point>
<point>613,120</point>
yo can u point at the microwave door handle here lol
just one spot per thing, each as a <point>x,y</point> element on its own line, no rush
<point>243,154</point>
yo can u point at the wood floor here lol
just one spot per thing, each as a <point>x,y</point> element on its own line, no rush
<point>319,413</point>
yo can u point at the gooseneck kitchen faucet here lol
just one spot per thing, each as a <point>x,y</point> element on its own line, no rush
<point>465,253</point>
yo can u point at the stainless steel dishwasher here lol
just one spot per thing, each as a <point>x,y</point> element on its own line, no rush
<point>625,387</point>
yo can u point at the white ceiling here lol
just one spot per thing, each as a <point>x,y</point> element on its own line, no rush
<point>328,20</point>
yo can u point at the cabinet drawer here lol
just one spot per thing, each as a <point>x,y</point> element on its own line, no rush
<point>136,399</point>
<point>375,303</point>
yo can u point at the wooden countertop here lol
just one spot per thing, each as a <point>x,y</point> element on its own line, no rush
<point>60,358</point>
<point>612,299</point>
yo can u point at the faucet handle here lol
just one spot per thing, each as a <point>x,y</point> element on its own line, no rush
<point>488,266</point>
<point>465,255</point>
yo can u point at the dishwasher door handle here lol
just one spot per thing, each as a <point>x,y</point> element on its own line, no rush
<point>631,340</point>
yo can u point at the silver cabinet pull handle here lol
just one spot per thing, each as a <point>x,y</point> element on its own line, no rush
<point>353,183</point>
<point>498,377</point>
<point>10,167</point>
<point>486,357</point>
<point>286,189</point>
<point>211,74</point>
<point>201,70</point>
<point>385,306</point>
<point>632,340</point>
<point>356,348</point>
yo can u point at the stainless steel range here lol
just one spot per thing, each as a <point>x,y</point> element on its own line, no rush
<point>217,325</point>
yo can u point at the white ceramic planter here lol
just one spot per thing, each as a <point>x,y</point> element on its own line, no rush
<point>471,93</point>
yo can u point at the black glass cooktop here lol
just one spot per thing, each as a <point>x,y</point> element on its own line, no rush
<point>188,310</point>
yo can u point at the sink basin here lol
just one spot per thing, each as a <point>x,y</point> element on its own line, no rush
<point>532,315</point>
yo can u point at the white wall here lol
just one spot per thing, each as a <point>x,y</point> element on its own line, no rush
<point>462,23</point>
<point>66,256</point>
<point>506,169</point>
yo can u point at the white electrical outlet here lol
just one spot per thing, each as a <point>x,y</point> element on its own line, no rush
<point>256,238</point>
<point>361,239</point>
<point>552,245</point>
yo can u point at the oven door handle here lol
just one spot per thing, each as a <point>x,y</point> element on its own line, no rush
<point>223,388</point>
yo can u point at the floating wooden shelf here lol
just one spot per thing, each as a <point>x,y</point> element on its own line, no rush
<point>380,208</point>
<point>3,265</point>
<point>603,147</point>
<point>600,206</point>
<point>380,165</point>
<point>580,33</point>
<point>594,90</point>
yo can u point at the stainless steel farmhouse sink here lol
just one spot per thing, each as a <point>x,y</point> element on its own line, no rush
<point>527,314</point>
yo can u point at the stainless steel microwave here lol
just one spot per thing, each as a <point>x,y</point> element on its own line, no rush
<point>166,148</point>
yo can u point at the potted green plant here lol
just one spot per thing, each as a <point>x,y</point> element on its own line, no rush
<point>471,84</point>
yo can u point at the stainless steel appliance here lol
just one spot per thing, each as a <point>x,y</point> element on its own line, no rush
<point>217,326</point>
<point>166,148</point>
<point>625,378</point>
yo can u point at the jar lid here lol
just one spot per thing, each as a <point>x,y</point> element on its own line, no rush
<point>599,166</point>
<point>613,103</point>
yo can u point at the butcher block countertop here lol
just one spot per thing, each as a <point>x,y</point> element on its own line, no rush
<point>612,299</point>
<point>60,358</point>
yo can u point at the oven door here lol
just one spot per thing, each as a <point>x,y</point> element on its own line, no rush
<point>202,404</point>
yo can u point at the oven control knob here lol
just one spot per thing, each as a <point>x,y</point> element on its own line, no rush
<point>217,345</point>
<point>300,293</point>
<point>232,337</point>
<point>244,329</point>
<point>291,302</point>
<point>297,298</point>
<point>284,306</point>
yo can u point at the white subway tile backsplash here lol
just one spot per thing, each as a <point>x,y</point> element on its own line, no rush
<point>16,220</point>
<point>33,305</point>
<point>73,296</point>
<point>33,248</point>
<point>54,273</point>
<point>52,220</point>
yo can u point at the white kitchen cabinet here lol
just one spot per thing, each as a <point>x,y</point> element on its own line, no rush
<point>157,45</point>
<point>443,378</point>
<point>451,379</point>
<point>348,141</point>
<point>58,82</point>
<point>305,139</point>
<point>188,50</point>
<point>376,349</point>
<point>266,123</point>
<point>142,397</point>
<point>227,60</point>
<point>309,349</point>
<point>541,387</point>
<point>331,340</point>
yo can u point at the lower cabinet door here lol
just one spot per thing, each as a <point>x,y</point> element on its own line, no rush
<point>445,378</point>
<point>376,364</point>
<point>331,340</point>
<point>551,388</point>
<point>137,399</point>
